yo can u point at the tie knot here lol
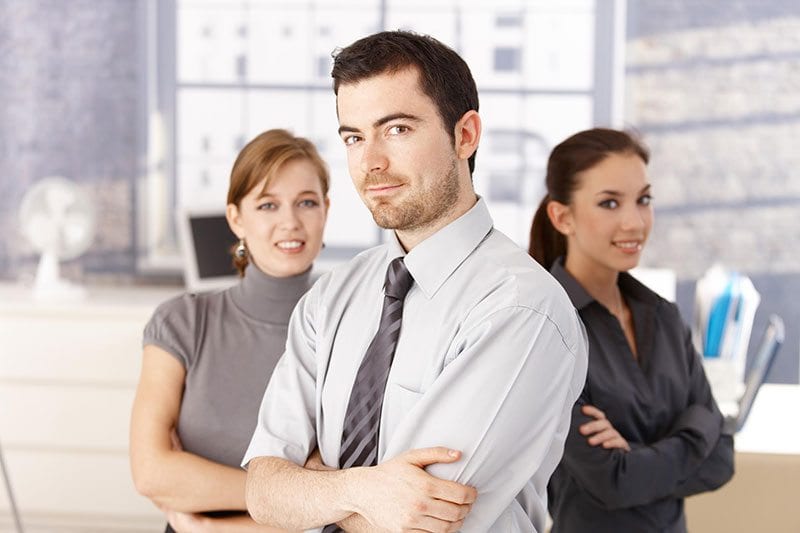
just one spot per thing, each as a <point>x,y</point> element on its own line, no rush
<point>398,279</point>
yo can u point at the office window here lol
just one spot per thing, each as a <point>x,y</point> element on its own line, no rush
<point>324,65</point>
<point>508,21</point>
<point>507,59</point>
<point>229,70</point>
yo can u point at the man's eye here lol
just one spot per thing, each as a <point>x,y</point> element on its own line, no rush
<point>351,139</point>
<point>397,130</point>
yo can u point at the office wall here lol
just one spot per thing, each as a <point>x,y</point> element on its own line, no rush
<point>713,88</point>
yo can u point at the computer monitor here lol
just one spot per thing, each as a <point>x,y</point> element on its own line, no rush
<point>764,357</point>
<point>205,240</point>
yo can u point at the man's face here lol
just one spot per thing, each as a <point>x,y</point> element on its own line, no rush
<point>401,159</point>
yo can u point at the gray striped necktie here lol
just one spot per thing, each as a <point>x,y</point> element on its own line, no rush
<point>363,416</point>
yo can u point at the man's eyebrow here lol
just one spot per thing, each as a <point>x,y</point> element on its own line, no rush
<point>349,129</point>
<point>394,116</point>
<point>381,121</point>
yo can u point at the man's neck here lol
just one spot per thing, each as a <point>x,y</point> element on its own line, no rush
<point>409,238</point>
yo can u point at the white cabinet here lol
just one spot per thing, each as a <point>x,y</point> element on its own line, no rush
<point>68,374</point>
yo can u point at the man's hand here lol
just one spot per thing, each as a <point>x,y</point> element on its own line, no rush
<point>399,495</point>
<point>600,432</point>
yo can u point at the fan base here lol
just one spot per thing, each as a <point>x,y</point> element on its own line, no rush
<point>50,286</point>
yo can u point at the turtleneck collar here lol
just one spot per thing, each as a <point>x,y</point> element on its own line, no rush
<point>267,298</point>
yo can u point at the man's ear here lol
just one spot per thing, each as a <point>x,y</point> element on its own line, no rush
<point>468,134</point>
<point>560,216</point>
<point>234,222</point>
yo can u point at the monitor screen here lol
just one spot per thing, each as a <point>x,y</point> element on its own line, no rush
<point>206,240</point>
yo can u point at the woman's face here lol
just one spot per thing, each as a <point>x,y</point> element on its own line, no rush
<point>283,225</point>
<point>610,216</point>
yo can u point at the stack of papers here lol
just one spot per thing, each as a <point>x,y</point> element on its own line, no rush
<point>725,307</point>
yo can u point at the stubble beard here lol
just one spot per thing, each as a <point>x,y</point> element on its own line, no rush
<point>422,207</point>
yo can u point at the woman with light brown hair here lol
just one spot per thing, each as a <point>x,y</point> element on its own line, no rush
<point>208,357</point>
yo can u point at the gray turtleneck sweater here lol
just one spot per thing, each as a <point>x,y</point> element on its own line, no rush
<point>229,343</point>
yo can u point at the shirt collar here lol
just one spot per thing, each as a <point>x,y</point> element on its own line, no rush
<point>433,260</point>
<point>580,298</point>
<point>629,286</point>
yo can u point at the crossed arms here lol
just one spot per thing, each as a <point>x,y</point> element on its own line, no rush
<point>502,401</point>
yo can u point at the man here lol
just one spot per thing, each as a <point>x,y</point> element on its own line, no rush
<point>490,355</point>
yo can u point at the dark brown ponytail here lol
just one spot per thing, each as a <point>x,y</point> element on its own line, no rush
<point>546,244</point>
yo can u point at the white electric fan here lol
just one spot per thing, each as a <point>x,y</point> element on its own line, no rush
<point>58,219</point>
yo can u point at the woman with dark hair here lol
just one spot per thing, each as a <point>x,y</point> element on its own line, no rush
<point>646,431</point>
<point>208,357</point>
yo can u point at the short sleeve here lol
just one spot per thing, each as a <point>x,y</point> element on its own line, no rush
<point>173,326</point>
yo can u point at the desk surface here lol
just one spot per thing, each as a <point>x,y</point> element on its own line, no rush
<point>772,425</point>
<point>17,298</point>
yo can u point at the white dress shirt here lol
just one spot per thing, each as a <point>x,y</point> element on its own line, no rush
<point>490,360</point>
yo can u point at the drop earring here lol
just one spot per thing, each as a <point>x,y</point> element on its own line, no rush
<point>241,250</point>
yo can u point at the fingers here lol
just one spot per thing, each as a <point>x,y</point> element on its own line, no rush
<point>439,488</point>
<point>594,412</point>
<point>450,491</point>
<point>617,442</point>
<point>600,431</point>
<point>443,510</point>
<point>446,528</point>
<point>433,525</point>
<point>428,503</point>
<point>423,457</point>
<point>594,426</point>
<point>438,515</point>
<point>603,436</point>
<point>608,439</point>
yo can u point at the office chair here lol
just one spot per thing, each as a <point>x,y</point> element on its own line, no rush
<point>14,510</point>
